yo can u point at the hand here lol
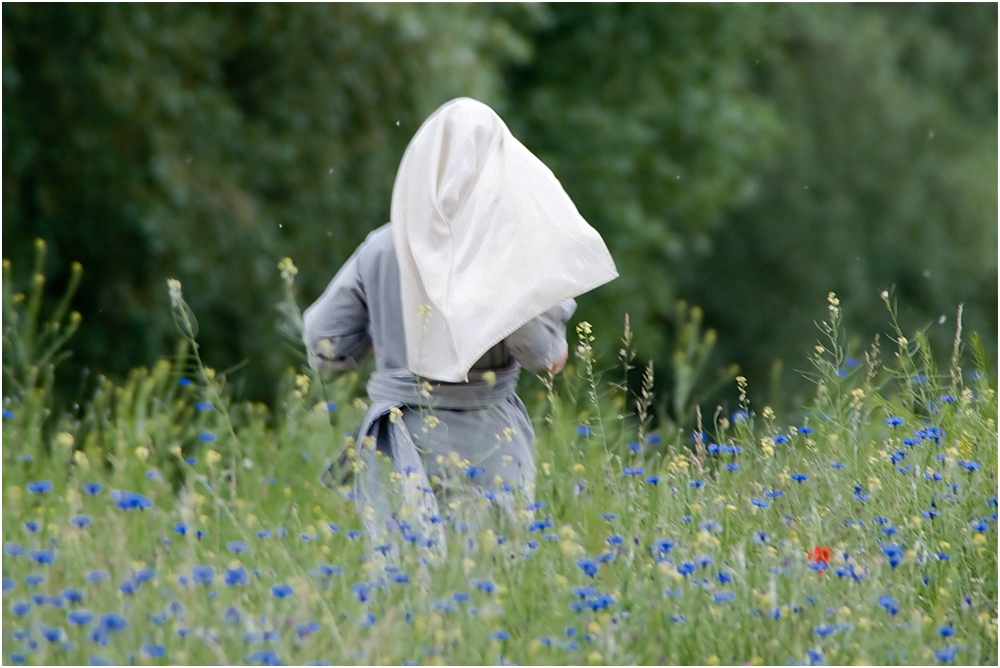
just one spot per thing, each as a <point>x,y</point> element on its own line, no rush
<point>556,367</point>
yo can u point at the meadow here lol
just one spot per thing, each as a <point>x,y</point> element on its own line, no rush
<point>162,522</point>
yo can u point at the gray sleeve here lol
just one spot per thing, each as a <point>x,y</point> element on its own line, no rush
<point>542,341</point>
<point>335,327</point>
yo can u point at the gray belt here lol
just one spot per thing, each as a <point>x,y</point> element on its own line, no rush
<point>399,387</point>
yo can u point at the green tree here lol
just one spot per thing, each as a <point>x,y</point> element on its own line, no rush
<point>205,142</point>
<point>885,178</point>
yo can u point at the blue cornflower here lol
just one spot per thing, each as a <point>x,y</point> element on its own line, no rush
<point>206,437</point>
<point>368,620</point>
<point>615,540</point>
<point>125,500</point>
<point>361,591</point>
<point>583,430</point>
<point>653,439</point>
<point>838,465</point>
<point>34,579</point>
<point>608,516</point>
<point>710,526</point>
<point>696,484</point>
<point>32,526</point>
<point>201,533</point>
<point>860,494</point>
<point>894,421</point>
<point>353,533</point>
<point>824,630</point>
<point>96,576</point>
<point>235,576</point>
<point>191,460</point>
<point>8,415</point>
<point>282,590</point>
<point>400,578</point>
<point>51,633</point>
<point>780,439</point>
<point>79,617</point>
<point>634,446</point>
<point>686,568</point>
<point>980,525</point>
<point>460,596</point>
<point>144,575</point>
<point>890,604</point>
<point>677,619</point>
<point>588,566</point>
<point>268,657</point>
<point>724,578</point>
<point>42,556</point>
<point>500,635</point>
<point>154,651</point>
<point>80,521</point>
<point>8,584</point>
<point>485,585</point>
<point>540,525</point>
<point>946,654</point>
<point>760,503</point>
<point>112,621</point>
<point>99,661</point>
<point>663,545</point>
<point>181,528</point>
<point>302,630</point>
<point>732,467</point>
<point>203,406</point>
<point>805,430</point>
<point>947,630</point>
<point>237,546</point>
<point>894,553</point>
<point>13,549</point>
<point>799,477</point>
<point>970,466</point>
<point>20,608</point>
<point>203,575</point>
<point>128,587</point>
<point>653,479</point>
<point>40,487</point>
<point>760,537</point>
<point>702,560</point>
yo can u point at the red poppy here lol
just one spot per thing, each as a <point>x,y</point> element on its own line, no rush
<point>820,553</point>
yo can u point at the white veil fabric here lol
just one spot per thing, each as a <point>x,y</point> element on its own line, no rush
<point>486,239</point>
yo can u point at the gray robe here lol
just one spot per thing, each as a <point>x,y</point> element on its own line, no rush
<point>431,453</point>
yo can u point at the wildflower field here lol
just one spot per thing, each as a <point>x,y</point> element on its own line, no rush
<point>163,523</point>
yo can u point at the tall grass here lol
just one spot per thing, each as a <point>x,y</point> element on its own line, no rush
<point>195,529</point>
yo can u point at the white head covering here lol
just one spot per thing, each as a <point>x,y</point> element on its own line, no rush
<point>486,239</point>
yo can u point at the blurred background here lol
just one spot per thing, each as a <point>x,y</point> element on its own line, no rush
<point>747,159</point>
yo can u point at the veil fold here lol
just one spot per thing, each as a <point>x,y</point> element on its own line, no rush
<point>486,239</point>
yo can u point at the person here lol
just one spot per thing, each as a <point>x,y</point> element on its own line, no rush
<point>471,280</point>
